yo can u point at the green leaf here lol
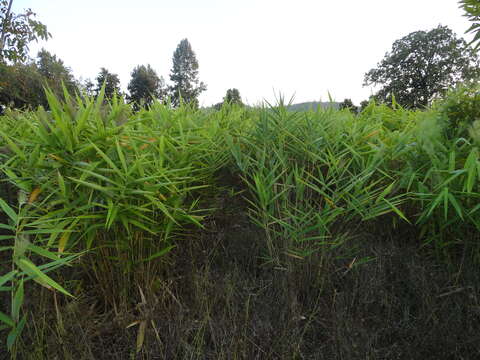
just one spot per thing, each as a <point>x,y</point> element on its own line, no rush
<point>61,184</point>
<point>92,185</point>
<point>385,192</point>
<point>456,205</point>
<point>42,252</point>
<point>17,301</point>
<point>141,226</point>
<point>445,202</point>
<point>13,146</point>
<point>6,319</point>
<point>121,156</point>
<point>7,227</point>
<point>7,277</point>
<point>397,210</point>
<point>108,161</point>
<point>471,167</point>
<point>158,253</point>
<point>31,269</point>
<point>16,331</point>
<point>9,211</point>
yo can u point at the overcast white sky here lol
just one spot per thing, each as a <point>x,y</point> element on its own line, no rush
<point>304,47</point>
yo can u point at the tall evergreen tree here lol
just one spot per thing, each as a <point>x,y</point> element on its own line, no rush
<point>145,86</point>
<point>184,75</point>
<point>112,83</point>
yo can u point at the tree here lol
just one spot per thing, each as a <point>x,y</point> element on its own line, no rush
<point>88,87</point>
<point>111,81</point>
<point>233,97</point>
<point>472,12</point>
<point>348,104</point>
<point>54,72</point>
<point>364,104</point>
<point>423,65</point>
<point>184,75</point>
<point>145,86</point>
<point>16,31</point>
<point>21,86</point>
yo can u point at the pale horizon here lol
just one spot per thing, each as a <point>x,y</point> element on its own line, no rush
<point>306,49</point>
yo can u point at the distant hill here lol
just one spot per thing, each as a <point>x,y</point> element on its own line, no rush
<point>305,106</point>
<point>313,105</point>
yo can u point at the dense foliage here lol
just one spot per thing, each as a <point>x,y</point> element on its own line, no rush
<point>100,178</point>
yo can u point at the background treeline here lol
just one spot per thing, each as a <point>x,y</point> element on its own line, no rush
<point>23,82</point>
<point>420,67</point>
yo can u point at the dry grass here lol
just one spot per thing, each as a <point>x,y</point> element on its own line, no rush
<point>220,301</point>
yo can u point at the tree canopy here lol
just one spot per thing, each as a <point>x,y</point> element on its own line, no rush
<point>145,86</point>
<point>22,84</point>
<point>233,97</point>
<point>55,72</point>
<point>348,104</point>
<point>16,31</point>
<point>111,81</point>
<point>184,75</point>
<point>422,65</point>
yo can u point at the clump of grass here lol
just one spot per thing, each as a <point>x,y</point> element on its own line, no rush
<point>89,180</point>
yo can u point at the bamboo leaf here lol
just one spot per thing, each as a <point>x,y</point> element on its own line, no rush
<point>7,227</point>
<point>61,184</point>
<point>13,146</point>
<point>159,253</point>
<point>92,185</point>
<point>17,301</point>
<point>43,252</point>
<point>456,205</point>
<point>9,211</point>
<point>31,269</point>
<point>7,277</point>
<point>6,319</point>
<point>108,161</point>
<point>15,332</point>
